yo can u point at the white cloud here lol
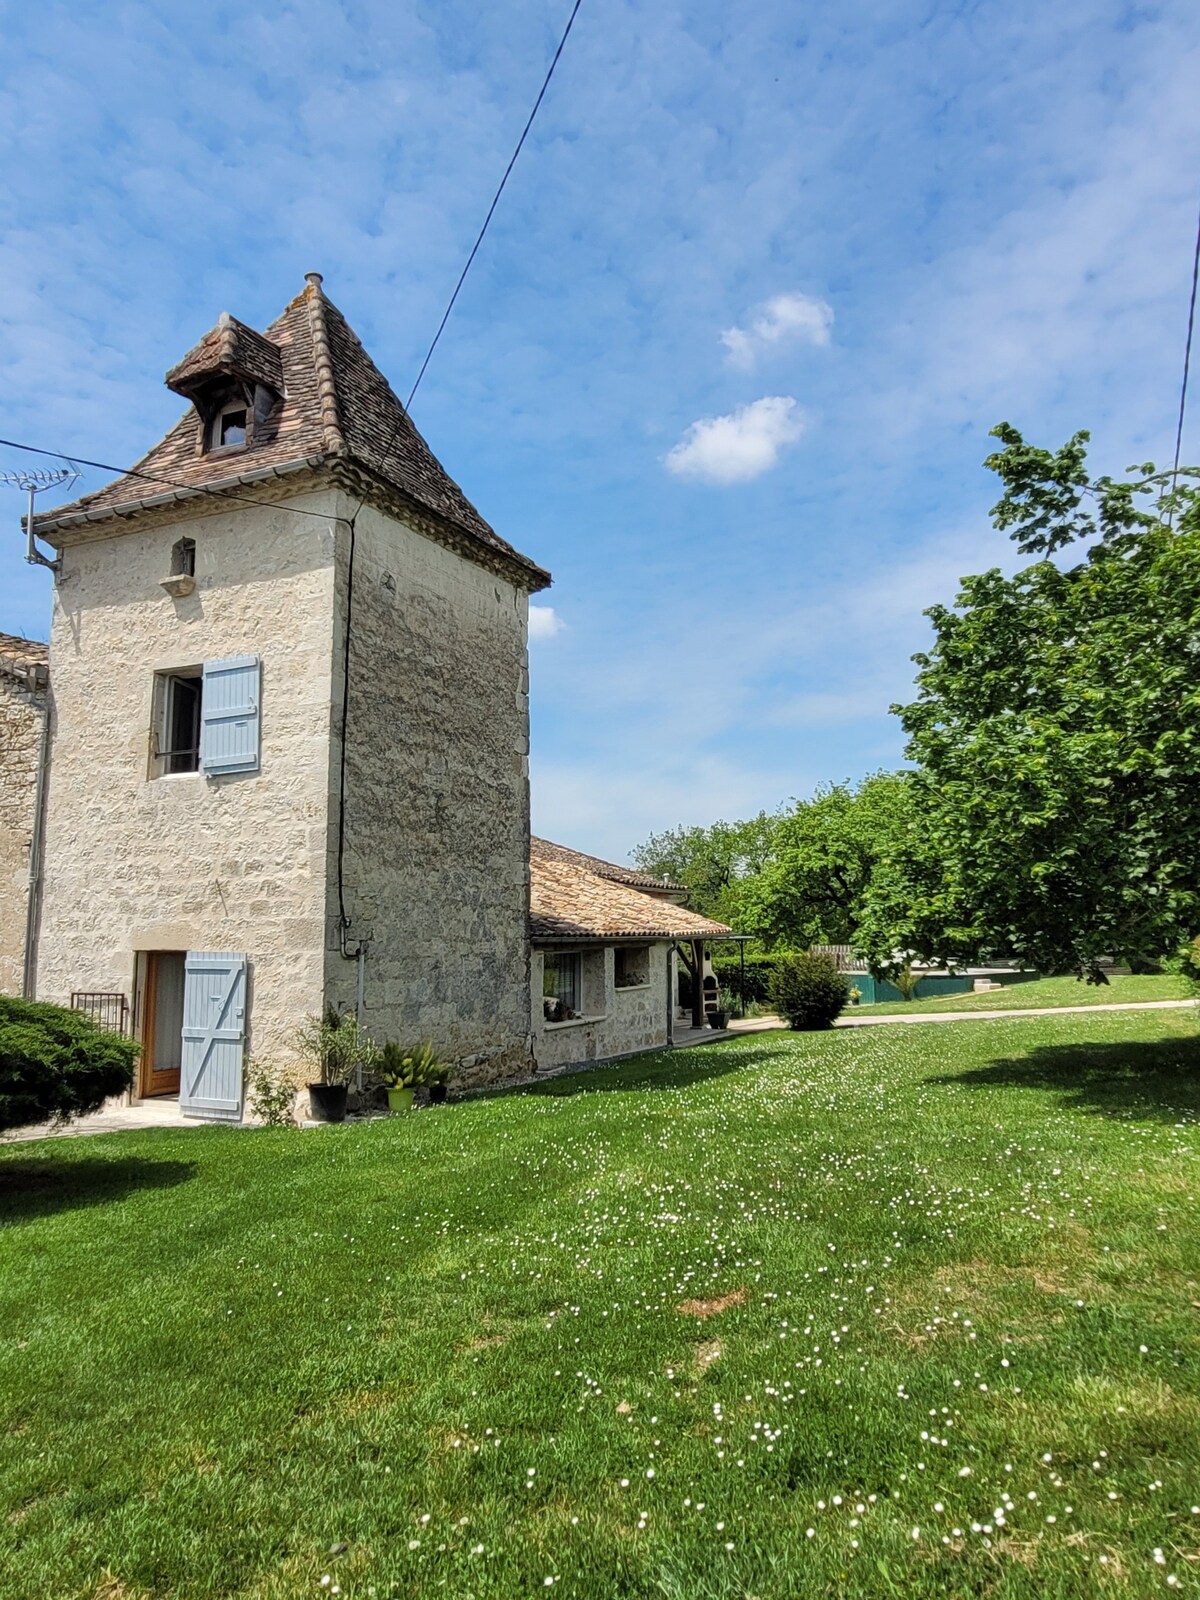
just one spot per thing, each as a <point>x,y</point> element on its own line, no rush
<point>740,446</point>
<point>544,622</point>
<point>782,319</point>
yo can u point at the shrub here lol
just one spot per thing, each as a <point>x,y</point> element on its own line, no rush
<point>1189,964</point>
<point>336,1046</point>
<point>416,1066</point>
<point>272,1093</point>
<point>808,989</point>
<point>56,1063</point>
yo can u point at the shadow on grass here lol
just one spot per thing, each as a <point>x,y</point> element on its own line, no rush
<point>41,1185</point>
<point>664,1069</point>
<point>1157,1081</point>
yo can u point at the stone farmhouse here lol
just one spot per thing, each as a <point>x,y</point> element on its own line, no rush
<point>285,752</point>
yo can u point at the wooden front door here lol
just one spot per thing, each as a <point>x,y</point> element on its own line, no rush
<point>162,1022</point>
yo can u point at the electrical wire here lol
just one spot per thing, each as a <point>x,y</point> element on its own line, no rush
<point>152,477</point>
<point>352,520</point>
<point>1187,356</point>
<point>495,202</point>
<point>491,211</point>
<point>249,500</point>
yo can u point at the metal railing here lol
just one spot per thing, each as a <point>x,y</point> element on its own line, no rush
<point>108,1011</point>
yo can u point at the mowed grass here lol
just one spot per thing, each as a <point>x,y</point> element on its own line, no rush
<point>1030,993</point>
<point>879,1312</point>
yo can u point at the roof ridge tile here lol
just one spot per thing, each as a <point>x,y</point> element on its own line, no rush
<point>331,423</point>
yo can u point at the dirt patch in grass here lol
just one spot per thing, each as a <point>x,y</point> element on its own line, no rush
<point>705,1354</point>
<point>713,1308</point>
<point>110,1587</point>
<point>356,1401</point>
<point>492,1334</point>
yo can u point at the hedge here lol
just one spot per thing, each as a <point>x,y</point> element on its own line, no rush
<point>56,1063</point>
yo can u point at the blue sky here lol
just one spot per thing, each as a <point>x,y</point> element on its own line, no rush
<point>761,282</point>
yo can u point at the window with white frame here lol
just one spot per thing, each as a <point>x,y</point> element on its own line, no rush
<point>562,985</point>
<point>631,966</point>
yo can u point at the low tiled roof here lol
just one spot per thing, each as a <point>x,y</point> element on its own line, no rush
<point>337,407</point>
<point>25,659</point>
<point>569,902</point>
<point>545,850</point>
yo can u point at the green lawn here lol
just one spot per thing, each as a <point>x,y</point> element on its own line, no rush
<point>1033,992</point>
<point>878,1312</point>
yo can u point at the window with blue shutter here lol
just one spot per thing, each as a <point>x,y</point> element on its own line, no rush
<point>214,1036</point>
<point>229,715</point>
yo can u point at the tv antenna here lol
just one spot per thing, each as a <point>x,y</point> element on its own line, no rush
<point>35,483</point>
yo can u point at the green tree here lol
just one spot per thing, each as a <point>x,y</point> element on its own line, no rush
<point>714,863</point>
<point>825,853</point>
<point>1057,732</point>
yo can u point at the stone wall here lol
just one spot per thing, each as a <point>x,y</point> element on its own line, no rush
<point>235,863</point>
<point>619,1022</point>
<point>437,818</point>
<point>21,710</point>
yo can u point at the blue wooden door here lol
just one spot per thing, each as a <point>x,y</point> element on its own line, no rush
<point>214,1036</point>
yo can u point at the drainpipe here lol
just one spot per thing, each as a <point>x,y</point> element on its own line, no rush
<point>360,981</point>
<point>34,897</point>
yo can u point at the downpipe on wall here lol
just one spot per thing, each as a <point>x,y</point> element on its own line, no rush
<point>33,902</point>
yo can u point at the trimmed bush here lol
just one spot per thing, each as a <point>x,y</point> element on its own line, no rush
<point>56,1063</point>
<point>808,990</point>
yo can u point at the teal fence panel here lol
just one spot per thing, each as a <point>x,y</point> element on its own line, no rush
<point>874,990</point>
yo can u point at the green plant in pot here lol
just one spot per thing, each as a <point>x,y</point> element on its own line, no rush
<point>339,1049</point>
<point>405,1068</point>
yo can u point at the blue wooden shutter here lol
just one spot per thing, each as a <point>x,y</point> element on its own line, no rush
<point>229,722</point>
<point>214,1035</point>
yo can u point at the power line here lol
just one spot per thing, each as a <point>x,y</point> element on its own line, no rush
<point>152,477</point>
<point>495,202</point>
<point>249,500</point>
<point>1187,356</point>
<point>353,520</point>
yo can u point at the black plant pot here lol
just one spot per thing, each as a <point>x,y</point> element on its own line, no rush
<point>327,1102</point>
<point>438,1093</point>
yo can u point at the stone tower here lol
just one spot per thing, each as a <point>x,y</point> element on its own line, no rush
<point>289,727</point>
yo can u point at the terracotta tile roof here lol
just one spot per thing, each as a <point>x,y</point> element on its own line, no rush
<point>545,850</point>
<point>337,407</point>
<point>231,349</point>
<point>25,659</point>
<point>569,902</point>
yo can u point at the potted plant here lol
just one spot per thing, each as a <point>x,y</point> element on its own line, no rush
<point>403,1070</point>
<point>339,1048</point>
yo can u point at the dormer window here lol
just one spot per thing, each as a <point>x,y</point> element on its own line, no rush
<point>229,426</point>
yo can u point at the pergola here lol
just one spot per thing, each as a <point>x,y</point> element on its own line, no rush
<point>696,966</point>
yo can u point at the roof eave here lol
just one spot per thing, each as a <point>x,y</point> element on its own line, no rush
<point>45,526</point>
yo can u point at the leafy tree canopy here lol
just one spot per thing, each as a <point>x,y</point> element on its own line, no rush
<point>713,863</point>
<point>824,852</point>
<point>1056,732</point>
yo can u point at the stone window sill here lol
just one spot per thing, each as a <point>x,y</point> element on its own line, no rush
<point>574,1022</point>
<point>631,988</point>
